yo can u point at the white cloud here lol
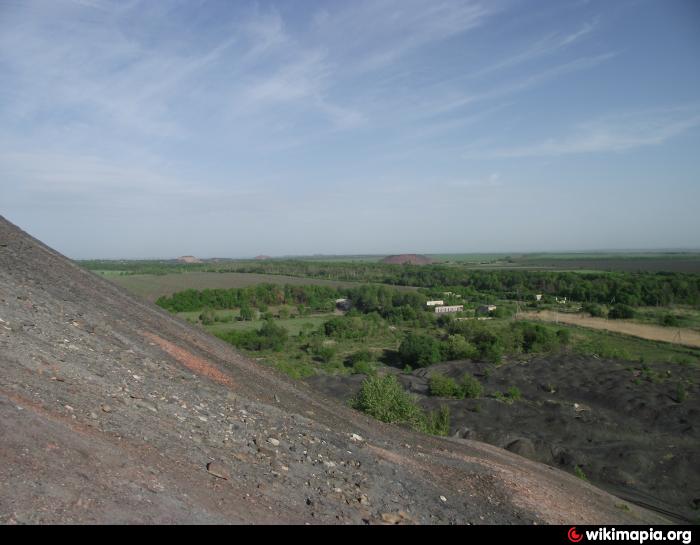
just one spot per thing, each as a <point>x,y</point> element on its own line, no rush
<point>615,133</point>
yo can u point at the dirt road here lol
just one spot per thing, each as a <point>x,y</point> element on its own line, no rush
<point>685,337</point>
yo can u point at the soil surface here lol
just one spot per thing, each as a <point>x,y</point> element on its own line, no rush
<point>621,423</point>
<point>112,410</point>
<point>683,336</point>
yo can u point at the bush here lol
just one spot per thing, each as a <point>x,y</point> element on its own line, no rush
<point>346,327</point>
<point>360,356</point>
<point>621,312</point>
<point>363,368</point>
<point>669,320</point>
<point>385,399</point>
<point>438,423</point>
<point>564,336</point>
<point>269,337</point>
<point>534,338</point>
<point>489,346</point>
<point>443,386</point>
<point>513,393</point>
<point>471,387</point>
<point>594,310</point>
<point>458,348</point>
<point>419,350</point>
<point>208,316</point>
<point>246,313</point>
<point>323,352</point>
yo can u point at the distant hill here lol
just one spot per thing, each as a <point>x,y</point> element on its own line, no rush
<point>411,259</point>
<point>188,259</point>
<point>260,257</point>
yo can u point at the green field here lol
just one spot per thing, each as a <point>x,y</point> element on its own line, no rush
<point>153,286</point>
<point>609,345</point>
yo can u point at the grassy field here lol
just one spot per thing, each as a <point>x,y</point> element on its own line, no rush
<point>151,287</point>
<point>292,325</point>
<point>610,345</point>
<point>687,317</point>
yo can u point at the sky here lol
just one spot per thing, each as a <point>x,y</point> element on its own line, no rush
<point>144,129</point>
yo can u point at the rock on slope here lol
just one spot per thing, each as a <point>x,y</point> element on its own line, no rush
<point>111,410</point>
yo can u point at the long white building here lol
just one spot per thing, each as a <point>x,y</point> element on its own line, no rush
<point>449,308</point>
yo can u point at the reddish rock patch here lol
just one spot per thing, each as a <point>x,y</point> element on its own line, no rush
<point>194,363</point>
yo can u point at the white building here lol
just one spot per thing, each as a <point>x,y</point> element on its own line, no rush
<point>449,308</point>
<point>538,297</point>
<point>485,309</point>
<point>435,303</point>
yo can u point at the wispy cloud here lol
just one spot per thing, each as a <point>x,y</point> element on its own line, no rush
<point>615,133</point>
<point>550,44</point>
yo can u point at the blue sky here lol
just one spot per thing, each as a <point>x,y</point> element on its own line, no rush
<point>156,129</point>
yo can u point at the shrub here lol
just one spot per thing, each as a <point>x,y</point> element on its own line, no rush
<point>621,312</point>
<point>246,313</point>
<point>513,393</point>
<point>535,337</point>
<point>489,346</point>
<point>458,348</point>
<point>360,356</point>
<point>323,352</point>
<point>594,310</point>
<point>385,399</point>
<point>346,327</point>
<point>580,474</point>
<point>669,320</point>
<point>564,336</point>
<point>363,368</point>
<point>438,422</point>
<point>208,316</point>
<point>471,387</point>
<point>419,350</point>
<point>443,386</point>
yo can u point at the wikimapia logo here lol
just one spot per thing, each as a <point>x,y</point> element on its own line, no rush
<point>637,536</point>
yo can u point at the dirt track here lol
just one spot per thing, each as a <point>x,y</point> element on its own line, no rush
<point>686,337</point>
<point>112,410</point>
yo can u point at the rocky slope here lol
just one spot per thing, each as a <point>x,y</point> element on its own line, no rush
<point>111,410</point>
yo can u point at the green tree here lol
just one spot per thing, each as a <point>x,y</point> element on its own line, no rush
<point>419,350</point>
